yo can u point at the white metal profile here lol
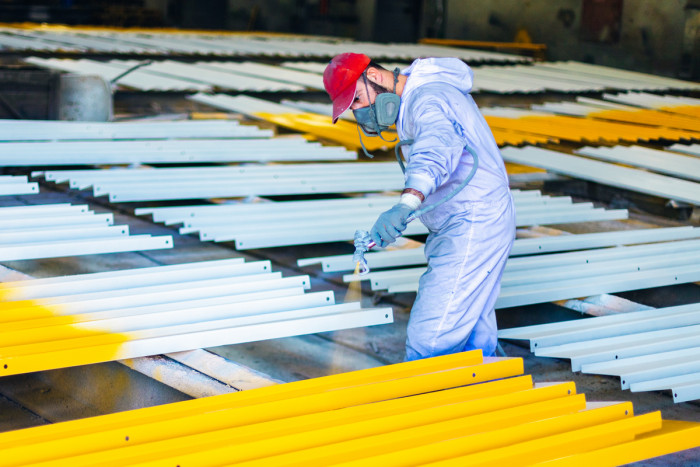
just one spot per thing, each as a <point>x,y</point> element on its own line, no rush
<point>568,77</point>
<point>90,318</point>
<point>521,246</point>
<point>56,230</point>
<point>649,350</point>
<point>262,45</point>
<point>264,225</point>
<point>58,130</point>
<point>605,173</point>
<point>137,79</point>
<point>665,162</point>
<point>169,151</point>
<point>543,278</point>
<point>691,149</point>
<point>17,185</point>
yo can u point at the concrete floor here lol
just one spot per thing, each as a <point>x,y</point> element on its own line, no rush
<point>52,396</point>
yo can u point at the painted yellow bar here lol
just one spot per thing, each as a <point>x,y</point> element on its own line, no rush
<point>586,129</point>
<point>501,436</point>
<point>529,46</point>
<point>422,435</point>
<point>178,450</point>
<point>689,110</point>
<point>243,398</point>
<point>238,416</point>
<point>321,126</point>
<point>564,444</point>
<point>650,117</point>
<point>379,428</point>
<point>673,436</point>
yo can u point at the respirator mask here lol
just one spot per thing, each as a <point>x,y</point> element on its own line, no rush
<point>378,117</point>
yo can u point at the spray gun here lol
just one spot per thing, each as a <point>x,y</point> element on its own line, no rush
<point>363,242</point>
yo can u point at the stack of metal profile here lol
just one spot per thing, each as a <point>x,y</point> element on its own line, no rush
<point>544,278</point>
<point>90,318</point>
<point>641,181</point>
<point>57,230</point>
<point>649,350</point>
<point>458,409</point>
<point>264,225</point>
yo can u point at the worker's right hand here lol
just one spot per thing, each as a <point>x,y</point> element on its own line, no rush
<point>390,224</point>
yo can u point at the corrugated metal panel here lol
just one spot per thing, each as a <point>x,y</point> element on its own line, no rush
<point>665,162</point>
<point>53,130</point>
<point>90,318</point>
<point>263,225</point>
<point>608,174</point>
<point>55,230</point>
<point>649,350</point>
<point>522,246</point>
<point>538,279</point>
<point>171,151</point>
<point>17,185</point>
<point>457,408</point>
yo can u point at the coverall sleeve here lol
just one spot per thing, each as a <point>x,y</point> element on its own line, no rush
<point>439,139</point>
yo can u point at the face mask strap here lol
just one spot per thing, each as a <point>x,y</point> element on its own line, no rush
<point>363,144</point>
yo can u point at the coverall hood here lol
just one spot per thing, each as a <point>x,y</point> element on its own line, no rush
<point>450,71</point>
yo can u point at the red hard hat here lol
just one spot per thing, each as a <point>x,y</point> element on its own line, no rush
<point>340,77</point>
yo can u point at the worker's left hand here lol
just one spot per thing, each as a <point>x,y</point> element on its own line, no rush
<point>390,224</point>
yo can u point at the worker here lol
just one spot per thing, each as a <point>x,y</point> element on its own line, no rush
<point>470,234</point>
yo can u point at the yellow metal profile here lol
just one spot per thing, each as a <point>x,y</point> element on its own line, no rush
<point>422,435</point>
<point>175,450</point>
<point>589,130</point>
<point>564,444</point>
<point>241,399</point>
<point>650,117</point>
<point>672,437</point>
<point>688,110</point>
<point>452,410</point>
<point>321,126</point>
<point>228,417</point>
<point>499,437</point>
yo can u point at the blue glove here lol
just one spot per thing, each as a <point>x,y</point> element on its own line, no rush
<point>390,224</point>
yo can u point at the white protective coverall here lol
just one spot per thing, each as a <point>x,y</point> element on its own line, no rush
<point>470,235</point>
